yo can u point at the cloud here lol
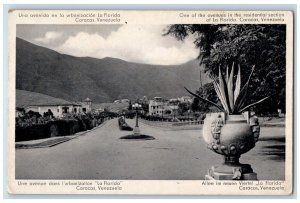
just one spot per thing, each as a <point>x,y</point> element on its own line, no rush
<point>49,37</point>
<point>142,44</point>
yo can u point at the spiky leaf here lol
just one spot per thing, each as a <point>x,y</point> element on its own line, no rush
<point>230,88</point>
<point>223,90</point>
<point>242,96</point>
<point>195,95</point>
<point>227,75</point>
<point>217,89</point>
<point>237,84</point>
<point>253,104</point>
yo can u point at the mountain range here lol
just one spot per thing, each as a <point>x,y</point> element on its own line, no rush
<point>42,70</point>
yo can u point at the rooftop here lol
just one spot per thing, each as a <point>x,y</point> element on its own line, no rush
<point>87,100</point>
<point>27,98</point>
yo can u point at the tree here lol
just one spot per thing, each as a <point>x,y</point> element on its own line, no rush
<point>207,92</point>
<point>130,106</point>
<point>145,107</point>
<point>168,112</point>
<point>261,45</point>
<point>183,107</point>
<point>195,105</point>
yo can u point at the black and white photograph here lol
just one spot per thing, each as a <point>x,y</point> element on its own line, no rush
<point>164,102</point>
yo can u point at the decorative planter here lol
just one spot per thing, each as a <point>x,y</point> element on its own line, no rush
<point>230,133</point>
<point>231,136</point>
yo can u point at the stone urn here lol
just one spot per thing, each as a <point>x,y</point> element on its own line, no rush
<point>231,136</point>
<point>234,130</point>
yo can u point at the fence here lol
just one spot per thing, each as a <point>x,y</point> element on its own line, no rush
<point>173,125</point>
<point>184,123</point>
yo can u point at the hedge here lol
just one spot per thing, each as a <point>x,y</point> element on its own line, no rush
<point>53,129</point>
<point>123,125</point>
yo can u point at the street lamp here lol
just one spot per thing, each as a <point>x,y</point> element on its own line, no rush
<point>136,130</point>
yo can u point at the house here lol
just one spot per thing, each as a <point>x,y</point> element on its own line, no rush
<point>144,100</point>
<point>156,106</point>
<point>173,104</point>
<point>86,105</point>
<point>98,110</point>
<point>122,101</point>
<point>59,107</point>
<point>159,106</point>
<point>185,99</point>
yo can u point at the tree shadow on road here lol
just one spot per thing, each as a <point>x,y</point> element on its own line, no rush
<point>274,148</point>
<point>275,139</point>
<point>274,152</point>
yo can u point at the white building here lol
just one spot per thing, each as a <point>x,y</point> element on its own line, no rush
<point>143,100</point>
<point>122,101</point>
<point>156,106</point>
<point>59,107</point>
<point>86,105</point>
<point>185,99</point>
<point>172,106</point>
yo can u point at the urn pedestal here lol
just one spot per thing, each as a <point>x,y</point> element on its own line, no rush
<point>230,136</point>
<point>230,171</point>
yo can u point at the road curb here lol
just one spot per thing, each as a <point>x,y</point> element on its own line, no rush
<point>173,128</point>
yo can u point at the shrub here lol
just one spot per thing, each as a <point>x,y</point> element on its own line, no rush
<point>32,132</point>
<point>32,126</point>
<point>123,125</point>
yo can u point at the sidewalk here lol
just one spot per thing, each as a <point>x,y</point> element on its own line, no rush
<point>52,141</point>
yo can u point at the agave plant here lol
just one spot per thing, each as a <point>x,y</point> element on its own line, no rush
<point>230,94</point>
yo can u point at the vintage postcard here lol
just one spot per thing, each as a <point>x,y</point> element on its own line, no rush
<point>150,102</point>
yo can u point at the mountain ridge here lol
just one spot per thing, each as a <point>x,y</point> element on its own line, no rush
<point>42,70</point>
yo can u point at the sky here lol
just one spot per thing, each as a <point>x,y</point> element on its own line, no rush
<point>134,43</point>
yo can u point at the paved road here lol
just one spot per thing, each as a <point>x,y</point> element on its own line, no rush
<point>173,155</point>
